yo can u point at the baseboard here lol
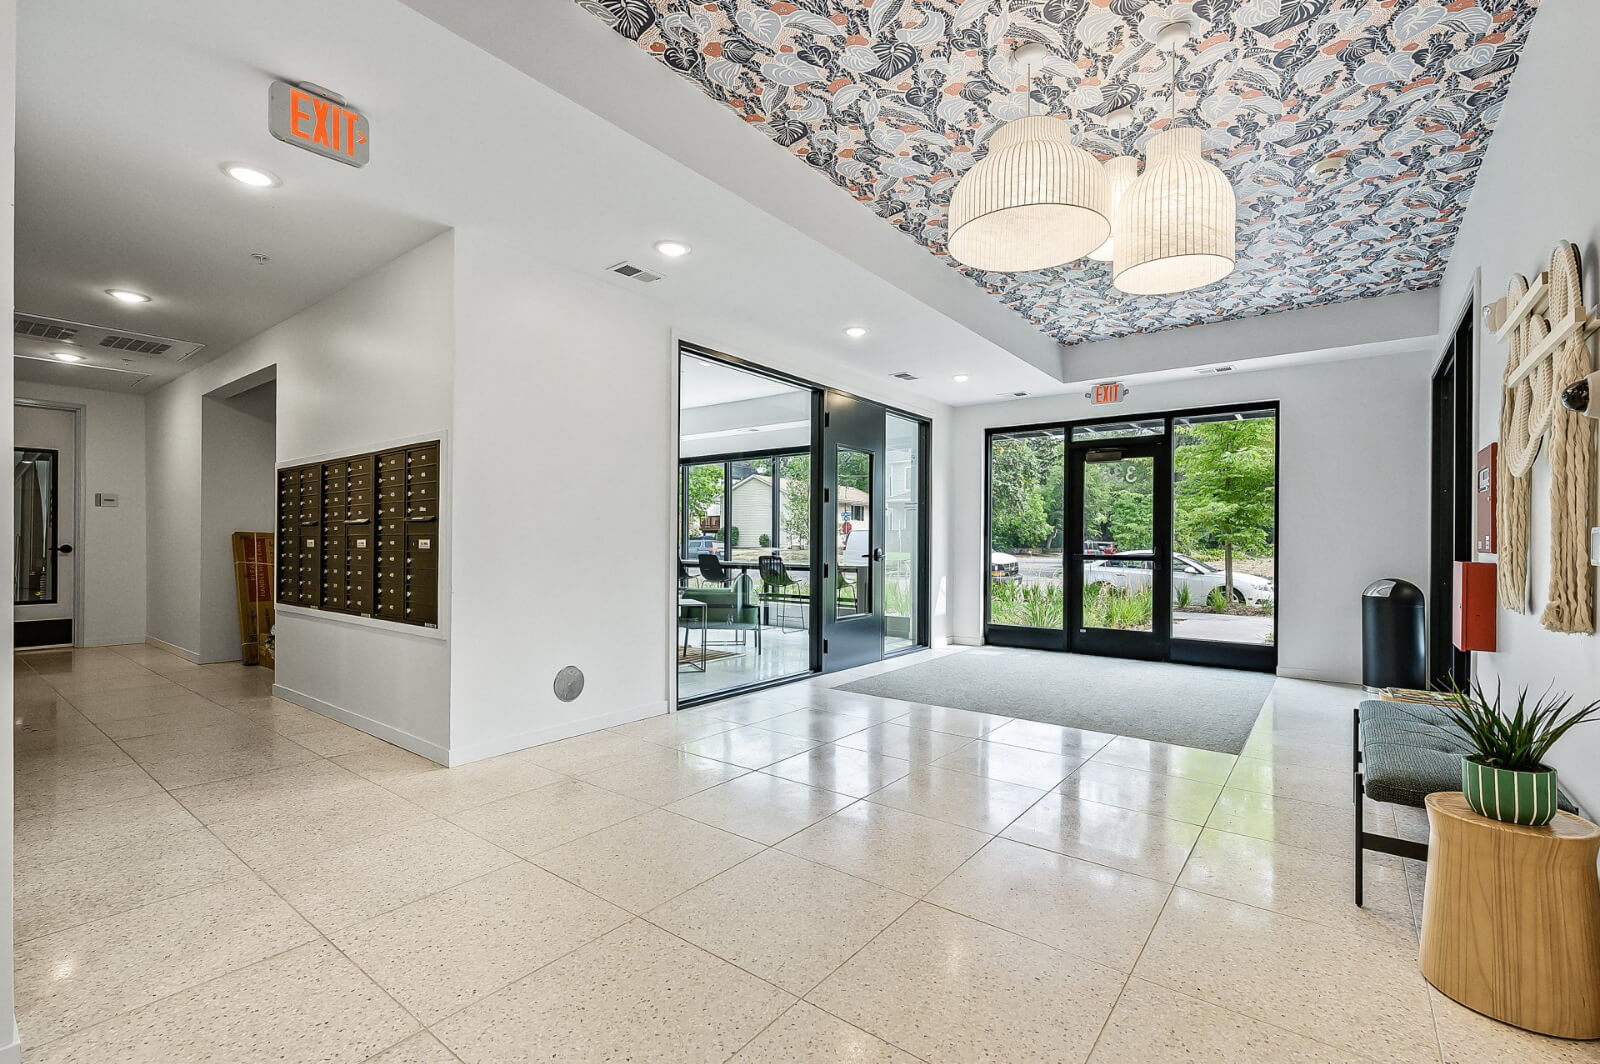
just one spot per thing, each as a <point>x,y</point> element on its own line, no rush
<point>11,1052</point>
<point>116,641</point>
<point>172,648</point>
<point>1289,672</point>
<point>387,732</point>
<point>967,640</point>
<point>565,730</point>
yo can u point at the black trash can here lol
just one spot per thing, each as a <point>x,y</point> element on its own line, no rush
<point>1394,649</point>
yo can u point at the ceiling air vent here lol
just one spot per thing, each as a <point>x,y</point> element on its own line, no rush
<point>904,376</point>
<point>633,273</point>
<point>1011,395</point>
<point>44,329</point>
<point>37,330</point>
<point>134,344</point>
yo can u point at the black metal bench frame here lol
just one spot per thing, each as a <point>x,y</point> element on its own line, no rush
<point>1371,840</point>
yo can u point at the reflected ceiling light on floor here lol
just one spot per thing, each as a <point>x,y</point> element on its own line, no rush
<point>1176,222</point>
<point>960,378</point>
<point>855,332</point>
<point>123,295</point>
<point>66,356</point>
<point>253,176</point>
<point>673,249</point>
<point>1035,201</point>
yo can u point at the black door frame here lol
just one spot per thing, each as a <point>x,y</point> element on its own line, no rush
<point>1181,651</point>
<point>924,609</point>
<point>1155,644</point>
<point>857,639</point>
<point>1452,461</point>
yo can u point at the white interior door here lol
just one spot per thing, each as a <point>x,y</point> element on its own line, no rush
<point>45,514</point>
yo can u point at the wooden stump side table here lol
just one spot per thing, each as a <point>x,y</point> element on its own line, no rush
<point>1511,918</point>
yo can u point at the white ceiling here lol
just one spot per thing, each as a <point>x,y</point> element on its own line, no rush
<point>119,186</point>
<point>705,383</point>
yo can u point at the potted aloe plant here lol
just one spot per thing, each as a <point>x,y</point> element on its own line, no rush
<point>1505,778</point>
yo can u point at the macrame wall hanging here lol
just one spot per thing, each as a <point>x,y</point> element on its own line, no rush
<point>1547,326</point>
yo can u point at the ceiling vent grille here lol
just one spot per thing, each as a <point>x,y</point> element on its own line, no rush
<point>904,376</point>
<point>37,330</point>
<point>1011,395</point>
<point>633,273</point>
<point>134,344</point>
<point>41,329</point>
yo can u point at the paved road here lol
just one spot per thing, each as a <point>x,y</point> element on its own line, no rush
<point>1221,628</point>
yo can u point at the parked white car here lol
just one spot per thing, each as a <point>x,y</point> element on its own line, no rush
<point>1003,566</point>
<point>1131,571</point>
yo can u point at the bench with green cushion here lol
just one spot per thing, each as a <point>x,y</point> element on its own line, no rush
<point>1403,753</point>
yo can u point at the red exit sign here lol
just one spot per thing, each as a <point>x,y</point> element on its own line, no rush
<point>319,122</point>
<point>1108,393</point>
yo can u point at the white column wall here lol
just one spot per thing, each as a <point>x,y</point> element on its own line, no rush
<point>565,457</point>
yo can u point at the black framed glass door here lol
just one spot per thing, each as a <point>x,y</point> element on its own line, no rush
<point>1149,537</point>
<point>1118,570</point>
<point>854,453</point>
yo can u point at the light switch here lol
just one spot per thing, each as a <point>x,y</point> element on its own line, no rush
<point>105,498</point>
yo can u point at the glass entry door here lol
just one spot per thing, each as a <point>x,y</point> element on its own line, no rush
<point>853,491</point>
<point>1119,566</point>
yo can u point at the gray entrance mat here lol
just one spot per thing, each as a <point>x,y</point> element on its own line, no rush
<point>1212,709</point>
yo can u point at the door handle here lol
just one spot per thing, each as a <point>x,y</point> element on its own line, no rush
<point>877,554</point>
<point>65,548</point>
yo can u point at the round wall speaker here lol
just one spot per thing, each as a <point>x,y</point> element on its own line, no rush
<point>569,683</point>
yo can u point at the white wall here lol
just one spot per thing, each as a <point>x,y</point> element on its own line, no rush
<point>1353,474</point>
<point>112,547</point>
<point>368,366</point>
<point>238,489</point>
<point>10,1047</point>
<point>563,493</point>
<point>1517,214</point>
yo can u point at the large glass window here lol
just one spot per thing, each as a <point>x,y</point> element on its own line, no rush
<point>903,534</point>
<point>1224,527</point>
<point>794,507</point>
<point>701,504</point>
<point>1027,504</point>
<point>852,496</point>
<point>751,505</point>
<point>34,510</point>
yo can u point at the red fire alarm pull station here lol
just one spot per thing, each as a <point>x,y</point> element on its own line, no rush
<point>1473,626</point>
<point>1483,495</point>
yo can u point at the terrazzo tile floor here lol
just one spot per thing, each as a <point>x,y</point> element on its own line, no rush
<point>205,873</point>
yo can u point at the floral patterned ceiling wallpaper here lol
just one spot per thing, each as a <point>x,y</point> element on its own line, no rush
<point>893,100</point>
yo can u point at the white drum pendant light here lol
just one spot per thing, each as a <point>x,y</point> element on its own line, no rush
<point>1176,222</point>
<point>1121,170</point>
<point>1037,200</point>
<point>1175,225</point>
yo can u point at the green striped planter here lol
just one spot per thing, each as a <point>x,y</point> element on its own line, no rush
<point>1509,795</point>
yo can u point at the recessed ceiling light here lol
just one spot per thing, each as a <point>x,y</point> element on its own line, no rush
<point>66,356</point>
<point>123,295</point>
<point>856,332</point>
<point>960,378</point>
<point>673,249</point>
<point>253,176</point>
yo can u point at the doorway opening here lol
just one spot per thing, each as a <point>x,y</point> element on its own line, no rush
<point>1151,538</point>
<point>801,533</point>
<point>1450,515</point>
<point>45,533</point>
